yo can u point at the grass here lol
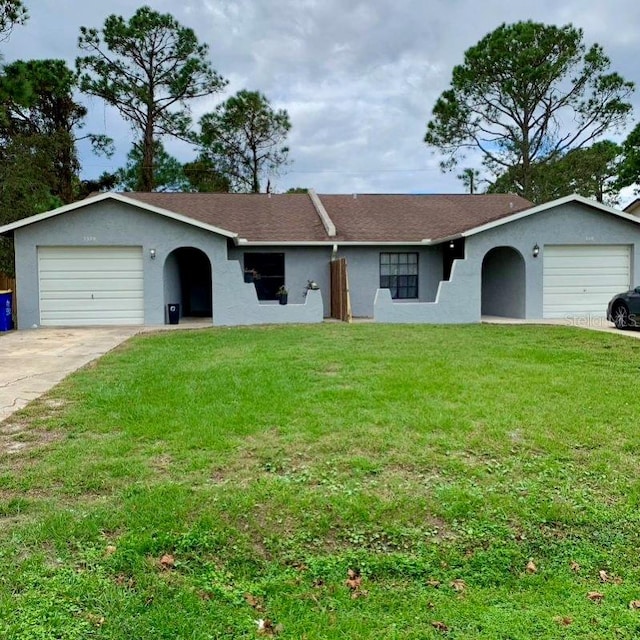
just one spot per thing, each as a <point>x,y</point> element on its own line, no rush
<point>191,483</point>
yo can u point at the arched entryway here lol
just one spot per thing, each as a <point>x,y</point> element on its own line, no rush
<point>187,281</point>
<point>503,283</point>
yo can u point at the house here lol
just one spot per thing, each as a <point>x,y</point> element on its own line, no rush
<point>122,258</point>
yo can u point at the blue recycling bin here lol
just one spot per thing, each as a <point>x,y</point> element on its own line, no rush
<point>6,310</point>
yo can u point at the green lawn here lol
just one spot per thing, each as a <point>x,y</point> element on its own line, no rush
<point>477,478</point>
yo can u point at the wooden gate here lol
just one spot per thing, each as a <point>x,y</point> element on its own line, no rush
<point>340,301</point>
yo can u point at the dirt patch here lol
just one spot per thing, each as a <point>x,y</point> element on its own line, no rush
<point>18,436</point>
<point>162,462</point>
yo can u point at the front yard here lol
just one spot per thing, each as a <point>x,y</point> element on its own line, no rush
<point>332,482</point>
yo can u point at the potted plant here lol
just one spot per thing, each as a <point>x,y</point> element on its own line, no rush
<point>283,295</point>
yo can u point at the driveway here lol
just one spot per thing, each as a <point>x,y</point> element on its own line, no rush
<point>33,361</point>
<point>594,323</point>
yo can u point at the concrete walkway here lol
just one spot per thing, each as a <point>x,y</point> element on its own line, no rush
<point>34,360</point>
<point>593,324</point>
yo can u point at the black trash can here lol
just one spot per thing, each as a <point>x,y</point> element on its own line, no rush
<point>6,310</point>
<point>173,311</point>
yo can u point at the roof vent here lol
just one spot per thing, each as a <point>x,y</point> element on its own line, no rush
<point>510,205</point>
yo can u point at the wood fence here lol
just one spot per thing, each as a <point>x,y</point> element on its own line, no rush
<point>9,283</point>
<point>340,300</point>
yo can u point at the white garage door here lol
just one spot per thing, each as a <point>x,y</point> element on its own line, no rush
<point>90,285</point>
<point>579,280</point>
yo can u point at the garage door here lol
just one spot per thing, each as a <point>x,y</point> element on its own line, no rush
<point>90,285</point>
<point>579,280</point>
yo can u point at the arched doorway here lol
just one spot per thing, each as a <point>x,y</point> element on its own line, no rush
<point>503,283</point>
<point>187,281</point>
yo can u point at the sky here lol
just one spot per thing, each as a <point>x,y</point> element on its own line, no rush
<point>358,79</point>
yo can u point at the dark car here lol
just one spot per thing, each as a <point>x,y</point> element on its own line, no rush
<point>624,309</point>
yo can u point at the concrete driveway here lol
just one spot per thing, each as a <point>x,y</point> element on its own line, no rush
<point>33,361</point>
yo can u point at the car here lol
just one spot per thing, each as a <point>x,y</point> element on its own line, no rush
<point>624,309</point>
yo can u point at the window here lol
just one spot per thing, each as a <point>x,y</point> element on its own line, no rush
<point>266,271</point>
<point>399,273</point>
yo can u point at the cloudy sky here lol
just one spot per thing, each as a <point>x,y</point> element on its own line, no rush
<point>359,79</point>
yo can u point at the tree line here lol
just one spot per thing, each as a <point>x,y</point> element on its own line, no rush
<point>148,67</point>
<point>536,105</point>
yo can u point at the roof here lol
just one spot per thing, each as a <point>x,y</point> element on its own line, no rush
<point>300,219</point>
<point>369,218</point>
<point>633,207</point>
<point>254,216</point>
<point>413,218</point>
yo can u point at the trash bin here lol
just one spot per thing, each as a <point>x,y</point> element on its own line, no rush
<point>173,311</point>
<point>6,310</point>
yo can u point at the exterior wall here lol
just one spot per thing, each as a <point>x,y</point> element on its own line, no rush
<point>457,301</point>
<point>572,223</point>
<point>171,275</point>
<point>363,269</point>
<point>113,223</point>
<point>503,284</point>
<point>460,299</point>
<point>301,264</point>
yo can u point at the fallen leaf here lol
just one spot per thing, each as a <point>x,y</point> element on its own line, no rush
<point>574,566</point>
<point>595,596</point>
<point>565,621</point>
<point>266,627</point>
<point>433,583</point>
<point>354,579</point>
<point>123,580</point>
<point>440,626</point>
<point>634,604</point>
<point>605,577</point>
<point>110,550</point>
<point>252,601</point>
<point>531,567</point>
<point>458,585</point>
<point>167,561</point>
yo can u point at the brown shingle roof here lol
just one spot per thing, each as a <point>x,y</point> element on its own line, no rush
<point>364,218</point>
<point>380,218</point>
<point>254,216</point>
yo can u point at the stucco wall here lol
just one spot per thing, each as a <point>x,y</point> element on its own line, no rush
<point>460,299</point>
<point>503,278</point>
<point>363,269</point>
<point>569,224</point>
<point>113,223</point>
<point>301,264</point>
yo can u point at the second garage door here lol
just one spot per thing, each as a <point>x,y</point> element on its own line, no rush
<point>579,280</point>
<point>90,286</point>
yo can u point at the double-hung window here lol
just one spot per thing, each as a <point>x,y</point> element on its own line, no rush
<point>399,273</point>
